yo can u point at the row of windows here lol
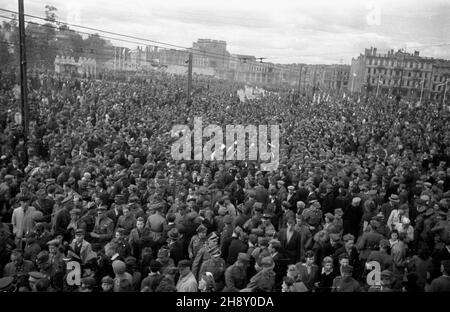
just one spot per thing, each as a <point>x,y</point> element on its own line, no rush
<point>406,64</point>
<point>405,83</point>
<point>398,72</point>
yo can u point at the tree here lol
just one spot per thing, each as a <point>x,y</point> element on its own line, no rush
<point>50,13</point>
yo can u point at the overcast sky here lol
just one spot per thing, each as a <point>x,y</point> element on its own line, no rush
<point>284,31</point>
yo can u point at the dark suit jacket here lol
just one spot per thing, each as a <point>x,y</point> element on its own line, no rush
<point>236,246</point>
<point>308,279</point>
<point>290,249</point>
<point>112,215</point>
<point>177,251</point>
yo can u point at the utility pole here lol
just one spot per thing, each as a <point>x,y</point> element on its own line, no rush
<point>23,74</point>
<point>300,80</point>
<point>189,87</point>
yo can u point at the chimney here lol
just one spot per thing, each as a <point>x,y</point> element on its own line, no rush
<point>374,51</point>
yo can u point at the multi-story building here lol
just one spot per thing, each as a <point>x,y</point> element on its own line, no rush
<point>407,74</point>
<point>210,53</point>
<point>336,77</point>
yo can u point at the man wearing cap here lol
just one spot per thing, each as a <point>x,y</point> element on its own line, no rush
<point>23,219</point>
<point>264,280</point>
<point>197,241</point>
<point>18,267</point>
<point>34,278</point>
<point>54,273</point>
<point>237,244</point>
<point>215,265</point>
<point>349,249</point>
<point>345,282</point>
<point>187,281</point>
<point>81,248</point>
<point>103,230</point>
<point>265,228</point>
<point>236,274</point>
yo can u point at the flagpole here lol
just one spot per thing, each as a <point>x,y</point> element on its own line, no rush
<point>421,91</point>
<point>445,92</point>
<point>378,84</point>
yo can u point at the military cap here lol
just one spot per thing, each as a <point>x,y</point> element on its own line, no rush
<point>243,257</point>
<point>36,275</point>
<point>267,262</point>
<point>102,208</point>
<point>291,187</point>
<point>257,206</point>
<point>266,216</point>
<point>201,229</point>
<point>75,211</point>
<point>54,242</point>
<point>6,283</point>
<point>184,264</point>
<point>424,198</point>
<point>275,243</point>
<point>228,219</point>
<point>140,219</point>
<point>348,237</point>
<point>9,177</point>
<point>330,216</point>
<point>427,184</point>
<point>429,212</point>
<point>347,269</point>
<point>191,198</point>
<point>42,257</point>
<point>50,181</point>
<point>107,280</point>
<point>394,198</point>
<point>280,182</point>
<point>335,237</point>
<point>79,232</point>
<point>89,281</point>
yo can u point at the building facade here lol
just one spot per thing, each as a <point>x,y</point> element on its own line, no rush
<point>399,73</point>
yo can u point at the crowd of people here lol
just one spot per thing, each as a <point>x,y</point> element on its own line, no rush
<point>360,181</point>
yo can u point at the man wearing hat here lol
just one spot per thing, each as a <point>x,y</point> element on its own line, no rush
<point>236,274</point>
<point>23,219</point>
<point>187,281</point>
<point>80,248</point>
<point>313,216</point>
<point>393,203</point>
<point>103,230</point>
<point>387,279</point>
<point>345,282</point>
<point>176,246</point>
<point>264,280</point>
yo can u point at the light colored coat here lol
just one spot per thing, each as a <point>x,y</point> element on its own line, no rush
<point>23,222</point>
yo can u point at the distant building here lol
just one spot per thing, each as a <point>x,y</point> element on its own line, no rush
<point>399,73</point>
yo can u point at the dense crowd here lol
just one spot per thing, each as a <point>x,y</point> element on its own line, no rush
<point>360,180</point>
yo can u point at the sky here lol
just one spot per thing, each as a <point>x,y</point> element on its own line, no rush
<point>283,31</point>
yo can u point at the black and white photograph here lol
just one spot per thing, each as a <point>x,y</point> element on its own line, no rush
<point>241,148</point>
